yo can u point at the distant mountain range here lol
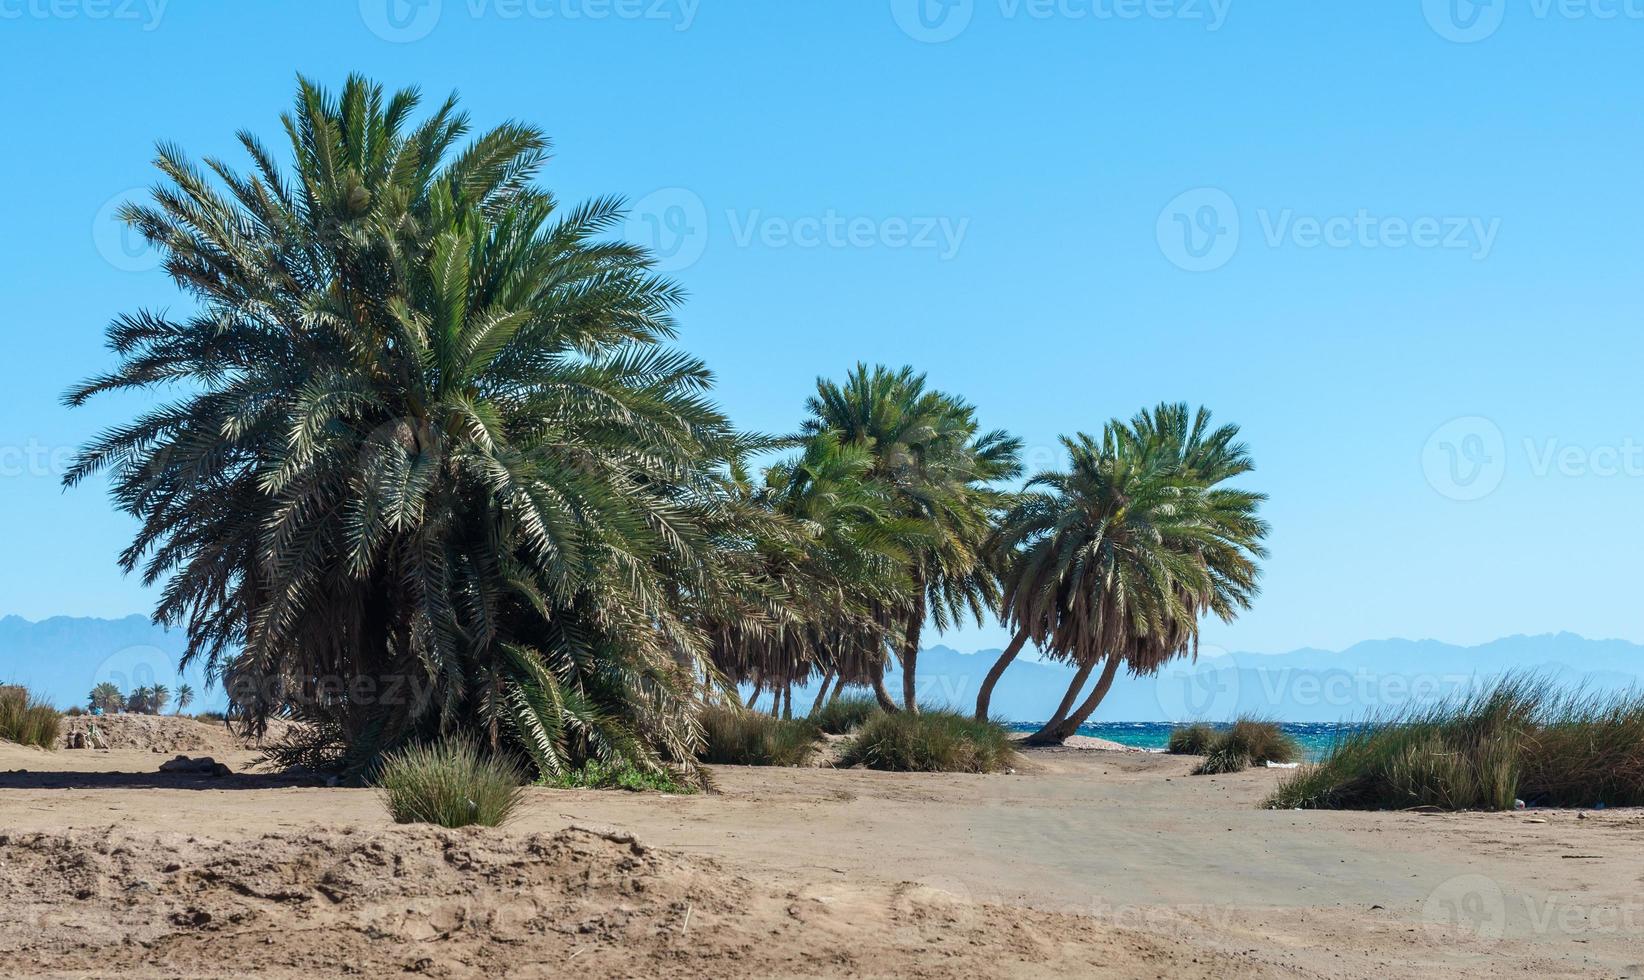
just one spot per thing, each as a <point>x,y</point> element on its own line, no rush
<point>62,659</point>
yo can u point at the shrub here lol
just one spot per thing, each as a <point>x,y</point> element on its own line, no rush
<point>1249,742</point>
<point>845,715</point>
<point>26,721</point>
<point>739,737</point>
<point>599,775</point>
<point>932,741</point>
<point>1191,739</point>
<point>449,783</point>
<point>1519,739</point>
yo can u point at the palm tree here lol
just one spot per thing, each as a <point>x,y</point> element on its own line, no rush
<point>1115,560</point>
<point>938,470</point>
<point>106,697</point>
<point>138,701</point>
<point>430,434</point>
<point>185,697</point>
<point>831,553</point>
<point>158,697</point>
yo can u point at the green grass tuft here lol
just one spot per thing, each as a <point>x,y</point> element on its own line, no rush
<point>26,721</point>
<point>739,737</point>
<point>1248,742</point>
<point>1192,739</point>
<point>846,715</point>
<point>931,741</point>
<point>1519,739</point>
<point>598,775</point>
<point>449,783</point>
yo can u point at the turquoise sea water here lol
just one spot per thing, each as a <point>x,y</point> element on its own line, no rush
<point>1314,738</point>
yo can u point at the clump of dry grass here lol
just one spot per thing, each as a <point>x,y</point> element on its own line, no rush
<point>845,715</point>
<point>931,741</point>
<point>739,737</point>
<point>27,721</point>
<point>1249,742</point>
<point>1520,739</point>
<point>449,783</point>
<point>1194,739</point>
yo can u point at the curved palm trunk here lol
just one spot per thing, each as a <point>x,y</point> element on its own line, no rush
<point>887,703</point>
<point>910,651</point>
<point>985,696</point>
<point>822,695</point>
<point>1045,735</point>
<point>1069,726</point>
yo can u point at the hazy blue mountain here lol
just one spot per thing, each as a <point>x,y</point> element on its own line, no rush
<point>1305,685</point>
<point>62,658</point>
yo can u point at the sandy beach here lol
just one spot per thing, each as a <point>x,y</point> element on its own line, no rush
<point>1080,863</point>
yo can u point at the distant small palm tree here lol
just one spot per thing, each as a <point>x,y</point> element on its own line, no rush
<point>158,697</point>
<point>107,698</point>
<point>185,697</point>
<point>137,701</point>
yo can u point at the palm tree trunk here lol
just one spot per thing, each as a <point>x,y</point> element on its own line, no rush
<point>787,701</point>
<point>1065,725</point>
<point>1044,735</point>
<point>752,699</point>
<point>910,650</point>
<point>822,695</point>
<point>1070,727</point>
<point>985,696</point>
<point>887,704</point>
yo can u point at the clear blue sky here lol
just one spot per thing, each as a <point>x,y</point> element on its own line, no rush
<point>1341,225</point>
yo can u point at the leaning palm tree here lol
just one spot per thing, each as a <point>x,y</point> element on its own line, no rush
<point>429,441</point>
<point>1114,561</point>
<point>938,470</point>
<point>185,697</point>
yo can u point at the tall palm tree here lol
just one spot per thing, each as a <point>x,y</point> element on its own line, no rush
<point>1116,559</point>
<point>430,441</point>
<point>185,697</point>
<point>158,697</point>
<point>939,470</point>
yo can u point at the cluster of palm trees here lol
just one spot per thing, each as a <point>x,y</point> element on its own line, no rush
<point>431,439</point>
<point>107,698</point>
